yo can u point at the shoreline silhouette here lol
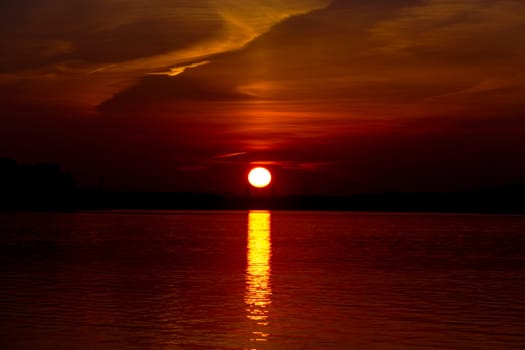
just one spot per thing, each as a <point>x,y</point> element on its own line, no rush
<point>46,187</point>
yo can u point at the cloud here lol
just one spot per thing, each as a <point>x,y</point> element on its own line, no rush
<point>362,53</point>
<point>366,59</point>
<point>378,94</point>
<point>458,28</point>
<point>118,42</point>
<point>174,71</point>
<point>325,75</point>
<point>104,31</point>
<point>230,155</point>
<point>503,92</point>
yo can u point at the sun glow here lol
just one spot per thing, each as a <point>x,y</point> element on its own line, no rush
<point>259,177</point>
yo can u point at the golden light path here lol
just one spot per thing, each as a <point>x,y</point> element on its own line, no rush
<point>258,288</point>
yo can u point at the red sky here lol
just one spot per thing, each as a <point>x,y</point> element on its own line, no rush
<point>347,96</point>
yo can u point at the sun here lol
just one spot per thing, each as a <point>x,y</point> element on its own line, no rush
<point>259,177</point>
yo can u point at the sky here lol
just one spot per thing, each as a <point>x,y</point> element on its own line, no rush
<point>341,96</point>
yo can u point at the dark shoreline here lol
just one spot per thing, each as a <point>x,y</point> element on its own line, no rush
<point>46,187</point>
<point>494,201</point>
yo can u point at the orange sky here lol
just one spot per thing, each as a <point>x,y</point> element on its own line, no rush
<point>347,96</point>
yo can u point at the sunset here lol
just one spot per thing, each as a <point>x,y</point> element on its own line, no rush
<point>259,177</point>
<point>354,96</point>
<point>334,167</point>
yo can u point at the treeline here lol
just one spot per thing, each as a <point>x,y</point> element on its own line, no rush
<point>501,200</point>
<point>504,200</point>
<point>42,186</point>
<point>46,187</point>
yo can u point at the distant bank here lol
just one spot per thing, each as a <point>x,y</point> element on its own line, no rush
<point>495,201</point>
<point>503,200</point>
<point>46,187</point>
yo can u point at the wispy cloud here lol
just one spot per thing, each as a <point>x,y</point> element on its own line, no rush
<point>451,27</point>
<point>230,155</point>
<point>174,71</point>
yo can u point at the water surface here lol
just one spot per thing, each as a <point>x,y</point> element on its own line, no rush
<point>261,280</point>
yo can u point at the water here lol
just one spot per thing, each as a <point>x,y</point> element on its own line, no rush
<point>261,280</point>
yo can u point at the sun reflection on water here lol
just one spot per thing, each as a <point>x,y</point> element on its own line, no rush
<point>258,288</point>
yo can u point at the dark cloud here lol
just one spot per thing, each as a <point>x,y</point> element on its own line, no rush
<point>369,59</point>
<point>126,42</point>
<point>157,94</point>
<point>36,33</point>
